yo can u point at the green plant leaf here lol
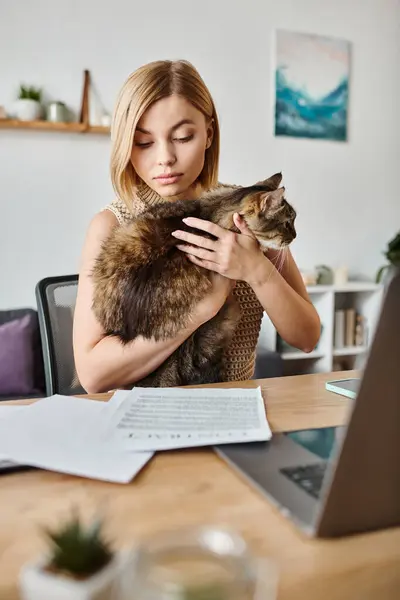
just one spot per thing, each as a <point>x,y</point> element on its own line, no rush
<point>380,273</point>
<point>78,551</point>
<point>394,244</point>
<point>29,92</point>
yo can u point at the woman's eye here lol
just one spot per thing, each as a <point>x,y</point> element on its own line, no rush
<point>143,144</point>
<point>182,140</point>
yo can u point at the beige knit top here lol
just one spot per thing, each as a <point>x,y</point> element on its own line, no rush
<point>240,356</point>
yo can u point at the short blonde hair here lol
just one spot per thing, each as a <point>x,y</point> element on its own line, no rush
<point>146,85</point>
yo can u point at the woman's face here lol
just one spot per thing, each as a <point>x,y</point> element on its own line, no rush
<point>169,146</point>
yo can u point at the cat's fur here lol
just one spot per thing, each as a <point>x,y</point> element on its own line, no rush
<point>145,286</point>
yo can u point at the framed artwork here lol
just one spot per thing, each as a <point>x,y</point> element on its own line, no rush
<point>311,86</point>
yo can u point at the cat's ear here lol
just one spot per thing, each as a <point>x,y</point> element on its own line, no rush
<point>272,182</point>
<point>271,200</point>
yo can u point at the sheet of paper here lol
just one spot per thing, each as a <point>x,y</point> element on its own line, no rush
<point>166,418</point>
<point>63,433</point>
<point>7,411</point>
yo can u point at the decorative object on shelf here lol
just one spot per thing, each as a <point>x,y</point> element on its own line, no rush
<point>360,335</point>
<point>97,120</point>
<point>324,275</point>
<point>341,275</point>
<point>57,112</point>
<point>97,112</point>
<point>105,120</point>
<point>84,116</point>
<point>392,254</point>
<point>80,565</point>
<point>309,277</point>
<point>3,114</point>
<point>93,113</point>
<point>28,106</point>
<point>311,86</point>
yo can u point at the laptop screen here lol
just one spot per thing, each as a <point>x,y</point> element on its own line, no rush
<point>321,442</point>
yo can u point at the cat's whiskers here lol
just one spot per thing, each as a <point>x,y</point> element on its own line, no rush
<point>279,259</point>
<point>273,259</point>
<point>282,255</point>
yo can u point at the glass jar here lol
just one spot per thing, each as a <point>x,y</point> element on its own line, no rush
<point>201,564</point>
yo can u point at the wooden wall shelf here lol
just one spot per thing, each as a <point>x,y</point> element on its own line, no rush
<point>82,126</point>
<point>50,126</point>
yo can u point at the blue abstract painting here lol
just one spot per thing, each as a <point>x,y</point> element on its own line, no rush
<point>311,86</point>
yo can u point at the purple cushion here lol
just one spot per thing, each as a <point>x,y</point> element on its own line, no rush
<point>17,357</point>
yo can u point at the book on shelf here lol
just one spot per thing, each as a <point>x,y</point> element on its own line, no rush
<point>350,328</point>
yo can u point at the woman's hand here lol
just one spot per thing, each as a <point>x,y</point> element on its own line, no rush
<point>207,308</point>
<point>234,255</point>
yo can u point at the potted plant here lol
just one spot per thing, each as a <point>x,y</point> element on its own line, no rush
<point>80,566</point>
<point>392,254</point>
<point>28,106</point>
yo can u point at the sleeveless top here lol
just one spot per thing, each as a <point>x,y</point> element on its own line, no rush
<point>240,356</point>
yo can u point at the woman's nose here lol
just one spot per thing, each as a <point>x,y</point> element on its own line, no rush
<point>166,155</point>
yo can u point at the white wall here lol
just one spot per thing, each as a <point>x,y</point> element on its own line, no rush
<point>346,194</point>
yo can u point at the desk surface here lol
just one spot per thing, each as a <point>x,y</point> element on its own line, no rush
<point>194,487</point>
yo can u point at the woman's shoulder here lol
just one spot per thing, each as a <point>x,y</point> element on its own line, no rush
<point>99,228</point>
<point>120,211</point>
<point>143,198</point>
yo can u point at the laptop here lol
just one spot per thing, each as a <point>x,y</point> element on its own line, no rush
<point>353,485</point>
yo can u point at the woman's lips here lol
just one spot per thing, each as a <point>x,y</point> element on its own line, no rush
<point>168,179</point>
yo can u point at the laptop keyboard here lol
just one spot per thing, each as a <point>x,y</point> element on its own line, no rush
<point>308,477</point>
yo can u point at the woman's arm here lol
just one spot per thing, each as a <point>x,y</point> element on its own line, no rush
<point>239,256</point>
<point>285,299</point>
<point>104,363</point>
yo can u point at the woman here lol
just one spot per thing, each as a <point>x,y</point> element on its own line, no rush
<point>165,145</point>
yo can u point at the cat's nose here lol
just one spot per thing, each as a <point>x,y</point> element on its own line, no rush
<point>290,237</point>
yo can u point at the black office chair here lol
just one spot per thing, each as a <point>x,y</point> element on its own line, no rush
<point>56,297</point>
<point>268,364</point>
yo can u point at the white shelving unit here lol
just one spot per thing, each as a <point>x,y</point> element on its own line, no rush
<point>364,297</point>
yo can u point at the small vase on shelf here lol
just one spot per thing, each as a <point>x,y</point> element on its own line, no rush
<point>28,105</point>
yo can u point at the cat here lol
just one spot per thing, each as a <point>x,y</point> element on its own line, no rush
<point>145,286</point>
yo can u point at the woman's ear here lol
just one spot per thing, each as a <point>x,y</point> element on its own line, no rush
<point>210,133</point>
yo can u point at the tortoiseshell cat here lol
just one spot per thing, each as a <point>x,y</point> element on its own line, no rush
<point>145,286</point>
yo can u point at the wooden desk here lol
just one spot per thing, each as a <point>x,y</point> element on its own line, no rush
<point>195,487</point>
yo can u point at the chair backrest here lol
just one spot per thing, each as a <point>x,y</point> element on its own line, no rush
<point>56,298</point>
